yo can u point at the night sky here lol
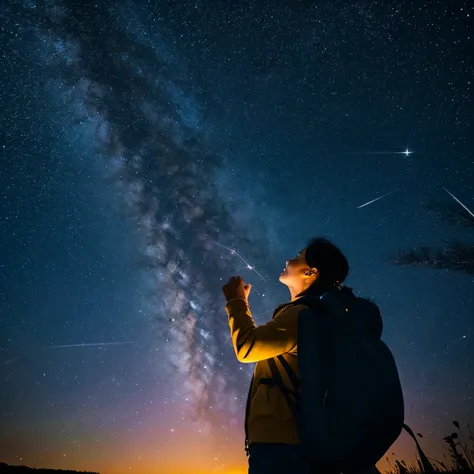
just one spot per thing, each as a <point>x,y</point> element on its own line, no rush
<point>142,142</point>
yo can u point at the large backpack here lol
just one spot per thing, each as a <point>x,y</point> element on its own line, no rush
<point>347,401</point>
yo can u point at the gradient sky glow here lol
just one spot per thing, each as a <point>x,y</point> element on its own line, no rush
<point>130,131</point>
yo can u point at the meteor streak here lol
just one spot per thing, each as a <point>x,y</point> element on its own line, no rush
<point>377,199</point>
<point>459,202</point>
<point>88,344</point>
<point>406,152</point>
<point>63,346</point>
<point>233,252</point>
<point>18,357</point>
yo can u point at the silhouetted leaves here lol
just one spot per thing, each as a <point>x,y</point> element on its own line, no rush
<point>456,256</point>
<point>461,462</point>
<point>452,213</point>
<point>425,465</point>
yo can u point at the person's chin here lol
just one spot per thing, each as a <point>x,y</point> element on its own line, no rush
<point>283,276</point>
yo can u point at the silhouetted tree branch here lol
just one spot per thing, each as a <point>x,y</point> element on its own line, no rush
<point>452,213</point>
<point>456,256</point>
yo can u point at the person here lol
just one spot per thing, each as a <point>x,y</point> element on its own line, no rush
<point>272,440</point>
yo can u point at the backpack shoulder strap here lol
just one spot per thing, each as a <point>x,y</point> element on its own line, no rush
<point>286,391</point>
<point>277,378</point>
<point>295,381</point>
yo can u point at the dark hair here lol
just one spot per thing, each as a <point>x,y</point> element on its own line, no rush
<point>329,260</point>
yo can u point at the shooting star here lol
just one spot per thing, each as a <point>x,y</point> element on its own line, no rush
<point>18,357</point>
<point>88,344</point>
<point>63,346</point>
<point>377,199</point>
<point>406,152</point>
<point>459,202</point>
<point>233,252</point>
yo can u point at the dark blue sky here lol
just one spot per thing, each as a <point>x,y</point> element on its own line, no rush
<point>130,133</point>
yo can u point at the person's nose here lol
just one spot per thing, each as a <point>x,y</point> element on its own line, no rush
<point>287,262</point>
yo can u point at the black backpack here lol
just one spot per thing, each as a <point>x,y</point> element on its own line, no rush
<point>347,401</point>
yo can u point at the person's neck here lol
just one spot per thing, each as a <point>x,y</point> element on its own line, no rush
<point>294,296</point>
<point>294,292</point>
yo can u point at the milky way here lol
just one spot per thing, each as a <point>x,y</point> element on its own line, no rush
<point>142,124</point>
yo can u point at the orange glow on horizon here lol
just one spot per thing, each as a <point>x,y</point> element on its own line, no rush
<point>145,451</point>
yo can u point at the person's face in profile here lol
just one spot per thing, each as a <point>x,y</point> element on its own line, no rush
<point>296,270</point>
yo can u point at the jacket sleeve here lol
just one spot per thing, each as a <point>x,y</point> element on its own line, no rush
<point>254,343</point>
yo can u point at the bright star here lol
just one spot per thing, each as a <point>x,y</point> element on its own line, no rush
<point>407,152</point>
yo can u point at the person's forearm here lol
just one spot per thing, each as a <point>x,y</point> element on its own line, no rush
<point>253,343</point>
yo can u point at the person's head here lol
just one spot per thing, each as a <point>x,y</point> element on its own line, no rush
<point>315,269</point>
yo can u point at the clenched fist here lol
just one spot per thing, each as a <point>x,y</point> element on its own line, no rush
<point>236,288</point>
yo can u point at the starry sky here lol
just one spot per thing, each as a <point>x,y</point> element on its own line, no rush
<point>150,150</point>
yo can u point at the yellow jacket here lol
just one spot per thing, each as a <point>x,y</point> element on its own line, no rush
<point>268,416</point>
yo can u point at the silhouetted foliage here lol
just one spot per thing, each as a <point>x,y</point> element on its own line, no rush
<point>7,469</point>
<point>461,453</point>
<point>452,213</point>
<point>457,256</point>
